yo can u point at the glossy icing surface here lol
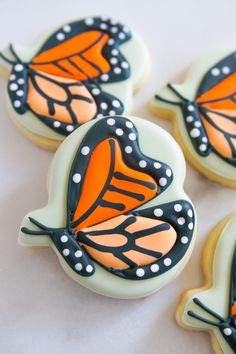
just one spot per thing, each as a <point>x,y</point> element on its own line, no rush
<point>217,296</point>
<point>113,260</point>
<point>204,112</point>
<point>86,78</point>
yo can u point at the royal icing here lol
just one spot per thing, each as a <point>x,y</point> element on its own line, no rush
<point>113,220</point>
<point>213,307</point>
<point>205,114</point>
<point>69,79</point>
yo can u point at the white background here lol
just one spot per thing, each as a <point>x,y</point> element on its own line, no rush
<point>41,309</point>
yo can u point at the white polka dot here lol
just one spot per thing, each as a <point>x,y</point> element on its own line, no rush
<point>204,139</point>
<point>225,70</point>
<point>111,41</point>
<point>184,240</point>
<point>60,36</point>
<point>85,150</point>
<point>104,77</point>
<point>67,28</point>
<point>126,29</point>
<point>119,132</point>
<point>189,119</point>
<point>128,149</point>
<point>227,331</point>
<point>190,226</point>
<point>20,93</point>
<point>17,104</point>
<point>158,212</point>
<point>69,128</point>
<point>13,87</point>
<point>76,178</point>
<point>113,60</point>
<point>168,172</point>
<point>78,254</point>
<point>154,268</point>
<point>167,262</point>
<point>96,91</point>
<point>56,124</point>
<point>89,21</point>
<point>104,105</point>
<point>113,22</point>
<point>66,252</point>
<point>121,35</point>
<point>114,51</point>
<point>140,272</point>
<point>132,136</point>
<point>21,81</point>
<point>18,67</point>
<point>64,238</point>
<point>104,18</point>
<point>124,65</point>
<point>195,132</point>
<point>103,26</point>
<point>89,268</point>
<point>12,77</point>
<point>129,125</point>
<point>157,165</point>
<point>100,115</point>
<point>162,181</point>
<point>191,108</point>
<point>197,124</point>
<point>114,29</point>
<point>112,113</point>
<point>178,207</point>
<point>78,267</point>
<point>202,147</point>
<point>190,213</point>
<point>181,221</point>
<point>142,164</point>
<point>117,70</point>
<point>111,121</point>
<point>115,103</point>
<point>215,72</point>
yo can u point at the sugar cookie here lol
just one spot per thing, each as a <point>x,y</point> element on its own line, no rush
<point>203,110</point>
<point>212,307</point>
<point>82,70</point>
<point>117,216</point>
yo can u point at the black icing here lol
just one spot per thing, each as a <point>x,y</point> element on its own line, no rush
<point>179,214</point>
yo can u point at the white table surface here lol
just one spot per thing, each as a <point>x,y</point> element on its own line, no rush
<point>41,309</point>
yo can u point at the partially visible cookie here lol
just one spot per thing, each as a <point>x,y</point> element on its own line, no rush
<point>203,110</point>
<point>117,216</point>
<point>212,307</point>
<point>83,70</point>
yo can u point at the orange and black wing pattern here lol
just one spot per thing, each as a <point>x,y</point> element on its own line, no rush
<point>61,84</point>
<point>110,179</point>
<point>210,119</point>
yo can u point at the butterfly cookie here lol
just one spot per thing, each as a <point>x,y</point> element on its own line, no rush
<point>212,308</point>
<point>203,109</point>
<point>117,216</point>
<point>83,70</point>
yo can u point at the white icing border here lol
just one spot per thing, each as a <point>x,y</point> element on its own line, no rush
<point>188,88</point>
<point>154,142</point>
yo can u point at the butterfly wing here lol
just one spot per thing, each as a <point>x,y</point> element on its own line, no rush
<point>143,243</point>
<point>216,101</point>
<point>116,176</point>
<point>110,178</point>
<point>85,49</point>
<point>64,104</point>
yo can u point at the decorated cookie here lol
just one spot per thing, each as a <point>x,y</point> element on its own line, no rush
<point>203,109</point>
<point>82,70</point>
<point>117,216</point>
<point>212,307</point>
